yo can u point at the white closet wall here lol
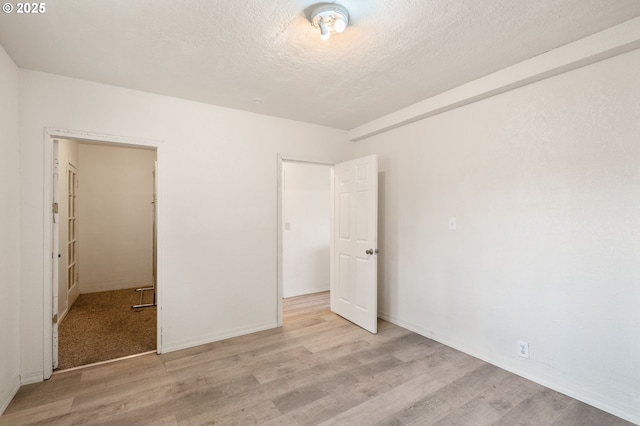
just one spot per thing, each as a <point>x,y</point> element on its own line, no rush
<point>115,217</point>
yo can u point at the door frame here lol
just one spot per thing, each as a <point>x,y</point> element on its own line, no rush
<point>55,249</point>
<point>280,203</point>
<point>50,282</point>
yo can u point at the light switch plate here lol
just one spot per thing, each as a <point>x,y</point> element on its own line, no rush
<point>452,223</point>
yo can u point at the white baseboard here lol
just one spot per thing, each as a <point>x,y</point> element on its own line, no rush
<point>202,340</point>
<point>6,398</point>
<point>303,291</point>
<point>62,316</point>
<point>631,414</point>
<point>32,377</point>
<point>110,286</point>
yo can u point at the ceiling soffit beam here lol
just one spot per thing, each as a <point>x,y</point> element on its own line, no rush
<point>605,44</point>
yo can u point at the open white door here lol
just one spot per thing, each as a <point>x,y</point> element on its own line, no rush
<point>354,239</point>
<point>55,252</point>
<point>72,236</point>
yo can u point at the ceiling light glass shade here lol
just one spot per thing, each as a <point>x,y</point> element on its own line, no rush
<point>328,18</point>
<point>339,25</point>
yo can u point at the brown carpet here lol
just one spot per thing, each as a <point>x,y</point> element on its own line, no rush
<point>103,326</point>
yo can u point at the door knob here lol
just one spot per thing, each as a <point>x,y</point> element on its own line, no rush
<point>370,251</point>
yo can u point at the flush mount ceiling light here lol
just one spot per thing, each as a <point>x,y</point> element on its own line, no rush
<point>328,18</point>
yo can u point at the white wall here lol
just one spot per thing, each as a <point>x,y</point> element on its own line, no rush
<point>305,244</point>
<point>544,182</point>
<point>217,202</point>
<point>9,231</point>
<point>67,153</point>
<point>115,217</point>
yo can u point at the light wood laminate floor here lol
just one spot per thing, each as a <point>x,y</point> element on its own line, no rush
<point>317,369</point>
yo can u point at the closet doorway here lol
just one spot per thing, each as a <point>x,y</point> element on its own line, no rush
<point>106,241</point>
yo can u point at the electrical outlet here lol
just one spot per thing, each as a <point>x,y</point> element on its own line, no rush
<point>452,223</point>
<point>523,349</point>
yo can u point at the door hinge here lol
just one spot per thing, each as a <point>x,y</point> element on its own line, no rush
<point>54,208</point>
<point>54,319</point>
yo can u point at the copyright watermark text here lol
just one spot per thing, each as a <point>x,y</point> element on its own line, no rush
<point>24,8</point>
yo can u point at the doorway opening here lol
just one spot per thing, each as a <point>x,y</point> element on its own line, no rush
<point>305,212</point>
<point>104,240</point>
<point>353,224</point>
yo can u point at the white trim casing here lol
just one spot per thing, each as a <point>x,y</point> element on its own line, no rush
<point>49,134</point>
<point>280,206</point>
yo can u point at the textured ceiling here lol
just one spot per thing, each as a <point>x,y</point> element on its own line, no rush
<point>228,52</point>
